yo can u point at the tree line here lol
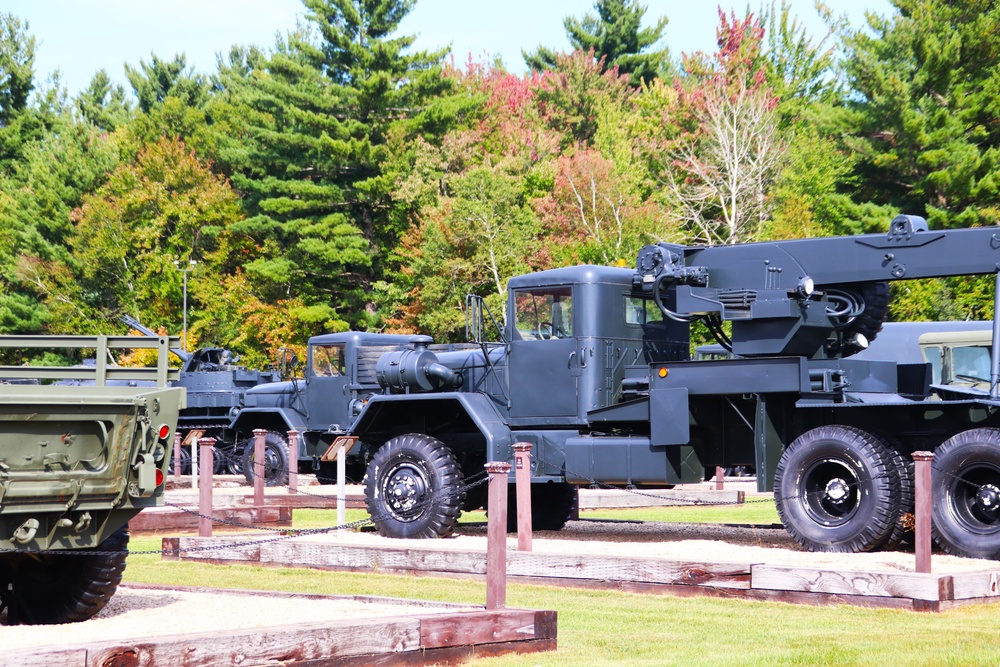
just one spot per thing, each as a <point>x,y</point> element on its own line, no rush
<point>342,180</point>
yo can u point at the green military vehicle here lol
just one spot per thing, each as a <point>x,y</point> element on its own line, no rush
<point>77,461</point>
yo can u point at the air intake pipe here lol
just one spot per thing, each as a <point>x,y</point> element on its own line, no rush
<point>416,370</point>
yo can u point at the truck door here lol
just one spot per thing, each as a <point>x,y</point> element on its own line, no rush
<point>544,359</point>
<point>327,399</point>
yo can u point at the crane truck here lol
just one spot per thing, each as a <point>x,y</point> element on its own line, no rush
<point>592,367</point>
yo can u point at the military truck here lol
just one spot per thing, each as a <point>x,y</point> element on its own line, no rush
<point>215,385</point>
<point>76,463</point>
<point>592,367</point>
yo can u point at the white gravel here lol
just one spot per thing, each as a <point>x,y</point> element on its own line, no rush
<point>680,542</point>
<point>144,613</point>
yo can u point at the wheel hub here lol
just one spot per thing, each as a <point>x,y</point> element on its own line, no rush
<point>404,490</point>
<point>988,497</point>
<point>837,490</point>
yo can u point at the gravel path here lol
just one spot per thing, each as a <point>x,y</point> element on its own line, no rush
<point>142,613</point>
<point>690,542</point>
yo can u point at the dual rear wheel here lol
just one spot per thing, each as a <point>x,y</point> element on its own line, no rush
<point>838,488</point>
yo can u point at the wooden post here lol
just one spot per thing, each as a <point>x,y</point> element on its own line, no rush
<point>342,484</point>
<point>922,509</point>
<point>177,456</point>
<point>258,466</point>
<point>496,536</point>
<point>720,473</point>
<point>522,481</point>
<point>293,461</point>
<point>194,460</point>
<point>207,446</point>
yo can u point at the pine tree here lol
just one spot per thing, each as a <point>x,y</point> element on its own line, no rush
<point>615,35</point>
<point>927,85</point>
<point>154,81</point>
<point>309,128</point>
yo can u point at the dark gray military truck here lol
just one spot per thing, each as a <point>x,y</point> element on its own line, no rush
<point>76,463</point>
<point>591,365</point>
<point>215,385</point>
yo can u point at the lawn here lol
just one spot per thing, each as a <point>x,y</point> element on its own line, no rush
<point>610,628</point>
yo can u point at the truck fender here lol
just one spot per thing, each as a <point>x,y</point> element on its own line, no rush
<point>273,419</point>
<point>377,420</point>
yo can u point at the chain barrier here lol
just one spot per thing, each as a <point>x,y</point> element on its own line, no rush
<point>286,533</point>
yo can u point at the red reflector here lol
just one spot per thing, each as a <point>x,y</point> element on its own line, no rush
<point>159,477</point>
<point>164,431</point>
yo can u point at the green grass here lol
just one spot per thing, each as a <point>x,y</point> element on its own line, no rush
<point>754,512</point>
<point>604,628</point>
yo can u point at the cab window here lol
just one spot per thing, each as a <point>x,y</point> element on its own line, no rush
<point>327,360</point>
<point>544,313</point>
<point>642,311</point>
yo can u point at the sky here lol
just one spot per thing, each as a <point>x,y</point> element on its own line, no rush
<point>79,37</point>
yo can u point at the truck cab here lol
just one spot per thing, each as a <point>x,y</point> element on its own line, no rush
<point>573,335</point>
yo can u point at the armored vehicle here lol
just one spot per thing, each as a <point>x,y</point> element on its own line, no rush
<point>215,387</point>
<point>76,463</point>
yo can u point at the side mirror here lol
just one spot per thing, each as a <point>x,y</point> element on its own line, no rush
<point>289,362</point>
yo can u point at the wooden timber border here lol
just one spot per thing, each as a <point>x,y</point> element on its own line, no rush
<point>794,584</point>
<point>435,637</point>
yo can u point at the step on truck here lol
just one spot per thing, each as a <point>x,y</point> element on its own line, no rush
<point>591,366</point>
<point>76,463</point>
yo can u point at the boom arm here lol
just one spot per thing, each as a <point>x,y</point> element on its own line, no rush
<point>788,297</point>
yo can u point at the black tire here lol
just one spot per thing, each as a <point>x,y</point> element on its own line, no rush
<point>552,504</point>
<point>902,529</point>
<point>219,461</point>
<point>58,588</point>
<point>875,296</point>
<point>965,492</point>
<point>413,488</point>
<point>185,462</point>
<point>234,463</point>
<point>835,490</point>
<point>275,460</point>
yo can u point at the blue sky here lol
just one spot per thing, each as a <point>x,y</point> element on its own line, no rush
<point>78,37</point>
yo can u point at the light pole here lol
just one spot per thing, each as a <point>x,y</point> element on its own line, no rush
<point>185,270</point>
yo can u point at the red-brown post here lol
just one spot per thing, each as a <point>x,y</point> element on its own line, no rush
<point>177,456</point>
<point>922,509</point>
<point>522,481</point>
<point>720,473</point>
<point>258,466</point>
<point>496,536</point>
<point>293,461</point>
<point>207,446</point>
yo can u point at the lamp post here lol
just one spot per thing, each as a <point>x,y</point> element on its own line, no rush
<point>185,270</point>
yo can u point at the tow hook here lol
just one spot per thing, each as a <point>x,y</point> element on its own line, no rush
<point>26,531</point>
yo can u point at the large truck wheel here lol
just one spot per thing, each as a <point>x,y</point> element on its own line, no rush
<point>275,460</point>
<point>552,504</point>
<point>413,488</point>
<point>59,588</point>
<point>835,490</point>
<point>965,488</point>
